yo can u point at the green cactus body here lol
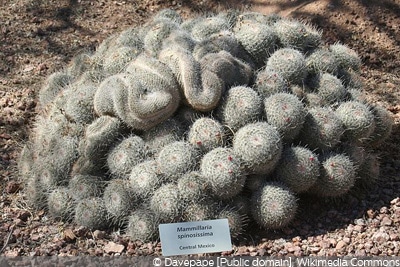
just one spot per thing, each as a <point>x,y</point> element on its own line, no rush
<point>289,63</point>
<point>241,203</point>
<point>199,211</point>
<point>55,83</point>
<point>255,181</point>
<point>161,135</point>
<point>347,57</point>
<point>119,200</point>
<point>91,78</point>
<point>337,176</point>
<point>159,30</point>
<point>168,14</point>
<point>322,129</point>
<point>206,134</point>
<point>258,39</point>
<point>285,112</point>
<point>167,202</point>
<point>355,152</point>
<point>35,194</point>
<point>274,206</point>
<point>383,121</point>
<point>26,161</point>
<point>100,135</point>
<point>191,187</point>
<point>259,146</point>
<point>221,171</point>
<point>56,165</point>
<point>217,42</point>
<point>145,178</point>
<point>197,94</point>
<point>60,203</point>
<point>314,100</point>
<point>128,153</point>
<point>177,158</point>
<point>204,82</point>
<point>206,27</point>
<point>181,39</point>
<point>91,213</point>
<point>187,116</point>
<point>239,106</point>
<point>85,186</point>
<point>322,60</point>
<point>236,220</point>
<point>329,88</point>
<point>117,60</point>
<point>131,37</point>
<point>351,79</point>
<point>230,70</point>
<point>368,172</point>
<point>357,119</point>
<point>298,168</point>
<point>80,64</point>
<point>258,17</point>
<point>142,225</point>
<point>294,34</point>
<point>143,97</point>
<point>269,82</point>
<point>79,104</point>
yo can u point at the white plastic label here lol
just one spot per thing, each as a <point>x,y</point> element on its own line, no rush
<point>195,237</point>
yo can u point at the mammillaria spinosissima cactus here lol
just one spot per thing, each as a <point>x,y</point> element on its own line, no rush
<point>206,134</point>
<point>259,147</point>
<point>289,63</point>
<point>286,113</point>
<point>338,175</point>
<point>145,178</point>
<point>142,225</point>
<point>221,171</point>
<point>176,159</point>
<point>126,154</point>
<point>187,120</point>
<point>166,202</point>
<point>239,106</point>
<point>298,168</point>
<point>269,82</point>
<point>274,205</point>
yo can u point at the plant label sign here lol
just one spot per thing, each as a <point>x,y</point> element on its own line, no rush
<point>195,237</point>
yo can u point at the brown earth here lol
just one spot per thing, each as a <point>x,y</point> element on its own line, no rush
<point>39,37</point>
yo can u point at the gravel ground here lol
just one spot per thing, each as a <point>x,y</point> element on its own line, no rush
<point>39,37</point>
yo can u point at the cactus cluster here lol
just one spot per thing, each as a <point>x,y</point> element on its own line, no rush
<point>235,115</point>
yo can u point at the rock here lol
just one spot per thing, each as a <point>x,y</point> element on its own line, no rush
<point>358,228</point>
<point>68,235</point>
<point>380,236</point>
<point>386,221</point>
<point>112,247</point>
<point>99,234</point>
<point>341,244</point>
